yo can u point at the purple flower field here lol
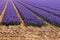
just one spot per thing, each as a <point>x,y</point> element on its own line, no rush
<point>32,12</point>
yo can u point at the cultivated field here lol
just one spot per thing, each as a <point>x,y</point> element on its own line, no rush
<point>29,20</point>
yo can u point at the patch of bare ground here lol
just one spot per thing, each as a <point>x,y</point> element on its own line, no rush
<point>30,33</point>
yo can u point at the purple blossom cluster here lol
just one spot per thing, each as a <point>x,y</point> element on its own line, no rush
<point>49,17</point>
<point>50,3</point>
<point>2,5</point>
<point>29,17</point>
<point>53,11</point>
<point>33,12</point>
<point>10,16</point>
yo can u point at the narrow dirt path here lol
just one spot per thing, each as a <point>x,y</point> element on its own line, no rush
<point>22,25</point>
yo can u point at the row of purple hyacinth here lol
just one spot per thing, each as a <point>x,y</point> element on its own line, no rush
<point>50,15</point>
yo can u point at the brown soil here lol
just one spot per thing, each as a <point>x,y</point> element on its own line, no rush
<point>29,33</point>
